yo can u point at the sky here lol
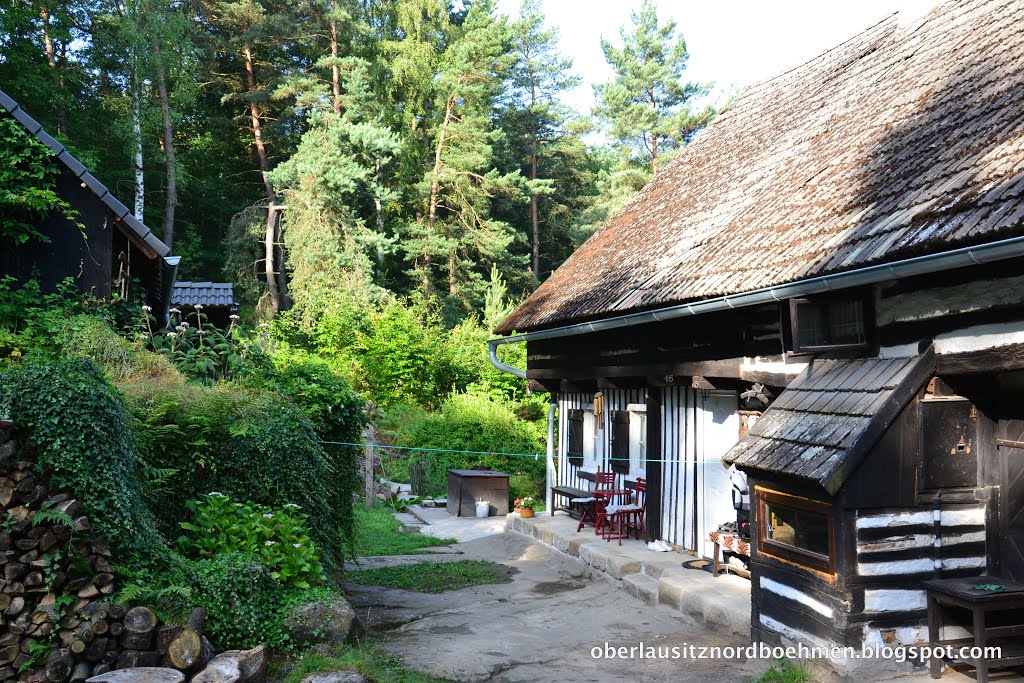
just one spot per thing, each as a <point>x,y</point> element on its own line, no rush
<point>730,43</point>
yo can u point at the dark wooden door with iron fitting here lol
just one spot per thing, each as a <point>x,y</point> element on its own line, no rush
<point>1010,439</point>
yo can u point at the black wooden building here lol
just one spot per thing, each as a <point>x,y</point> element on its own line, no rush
<point>849,236</point>
<point>116,250</point>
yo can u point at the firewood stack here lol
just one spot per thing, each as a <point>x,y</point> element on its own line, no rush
<point>57,621</point>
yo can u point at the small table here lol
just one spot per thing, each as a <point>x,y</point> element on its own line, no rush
<point>961,593</point>
<point>603,496</point>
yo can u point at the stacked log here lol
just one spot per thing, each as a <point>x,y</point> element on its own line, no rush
<point>57,621</point>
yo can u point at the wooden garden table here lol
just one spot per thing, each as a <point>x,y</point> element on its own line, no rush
<point>961,593</point>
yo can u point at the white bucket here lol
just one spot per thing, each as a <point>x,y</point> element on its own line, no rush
<point>483,508</point>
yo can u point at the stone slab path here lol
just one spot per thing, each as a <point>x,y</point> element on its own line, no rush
<point>540,626</point>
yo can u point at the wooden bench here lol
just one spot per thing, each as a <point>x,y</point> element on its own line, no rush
<point>569,492</point>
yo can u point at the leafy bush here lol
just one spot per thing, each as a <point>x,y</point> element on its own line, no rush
<point>314,385</point>
<point>91,337</point>
<point>275,537</point>
<point>470,422</point>
<point>245,605</point>
<point>83,438</point>
<point>249,444</point>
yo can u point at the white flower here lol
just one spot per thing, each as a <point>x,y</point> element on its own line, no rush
<point>264,326</point>
<point>185,324</point>
<point>268,516</point>
<point>234,317</point>
<point>198,307</point>
<point>215,493</point>
<point>268,543</point>
<point>147,309</point>
<point>172,335</point>
<point>174,310</point>
<point>201,331</point>
<point>296,545</point>
<point>291,506</point>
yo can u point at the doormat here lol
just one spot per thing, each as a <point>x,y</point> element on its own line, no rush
<point>699,565</point>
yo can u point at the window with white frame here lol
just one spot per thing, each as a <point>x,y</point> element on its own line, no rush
<point>637,440</point>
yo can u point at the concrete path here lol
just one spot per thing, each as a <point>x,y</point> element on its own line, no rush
<point>540,626</point>
<point>439,524</point>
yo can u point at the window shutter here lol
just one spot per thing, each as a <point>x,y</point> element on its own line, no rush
<point>620,441</point>
<point>575,426</point>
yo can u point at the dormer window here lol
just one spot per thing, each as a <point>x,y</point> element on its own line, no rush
<point>827,325</point>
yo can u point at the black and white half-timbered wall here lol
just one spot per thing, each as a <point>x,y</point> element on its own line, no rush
<point>847,241</point>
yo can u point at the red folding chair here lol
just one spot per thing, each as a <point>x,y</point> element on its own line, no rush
<point>592,507</point>
<point>628,517</point>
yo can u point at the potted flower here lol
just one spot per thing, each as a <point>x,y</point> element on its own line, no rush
<point>525,506</point>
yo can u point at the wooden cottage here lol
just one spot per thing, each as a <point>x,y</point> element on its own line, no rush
<point>850,235</point>
<point>117,248</point>
<point>216,298</point>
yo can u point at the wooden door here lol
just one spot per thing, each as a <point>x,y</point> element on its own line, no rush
<point>1011,498</point>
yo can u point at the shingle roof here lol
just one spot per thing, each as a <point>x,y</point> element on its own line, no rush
<point>899,142</point>
<point>830,416</point>
<point>89,180</point>
<point>203,293</point>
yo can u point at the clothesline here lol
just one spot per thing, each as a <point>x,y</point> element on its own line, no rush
<point>535,456</point>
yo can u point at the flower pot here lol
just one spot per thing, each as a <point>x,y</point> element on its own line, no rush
<point>525,513</point>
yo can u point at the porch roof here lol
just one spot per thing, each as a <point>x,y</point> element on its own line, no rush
<point>829,418</point>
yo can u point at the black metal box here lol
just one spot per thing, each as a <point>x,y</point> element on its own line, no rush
<point>465,487</point>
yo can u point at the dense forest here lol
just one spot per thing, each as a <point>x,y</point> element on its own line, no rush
<point>356,151</point>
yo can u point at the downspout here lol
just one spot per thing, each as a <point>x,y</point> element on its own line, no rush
<point>492,351</point>
<point>169,276</point>
<point>548,498</point>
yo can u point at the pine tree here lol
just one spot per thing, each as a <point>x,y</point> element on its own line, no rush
<point>538,79</point>
<point>647,108</point>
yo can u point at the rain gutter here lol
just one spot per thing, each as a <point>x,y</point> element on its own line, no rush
<point>885,272</point>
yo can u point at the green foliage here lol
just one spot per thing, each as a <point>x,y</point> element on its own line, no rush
<point>277,537</point>
<point>251,445</point>
<point>245,605</point>
<point>314,385</point>
<point>51,516</point>
<point>200,350</point>
<point>431,577</point>
<point>28,180</point>
<point>647,107</point>
<point>93,337</point>
<point>470,422</point>
<point>366,658</point>
<point>379,533</point>
<point>83,439</point>
<point>786,671</point>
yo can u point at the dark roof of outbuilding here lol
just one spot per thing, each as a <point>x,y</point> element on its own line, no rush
<point>900,142</point>
<point>830,416</point>
<point>203,293</point>
<point>123,214</point>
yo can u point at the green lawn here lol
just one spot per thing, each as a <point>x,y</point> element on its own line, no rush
<point>376,666</point>
<point>432,577</point>
<point>377,533</point>
<point>786,671</point>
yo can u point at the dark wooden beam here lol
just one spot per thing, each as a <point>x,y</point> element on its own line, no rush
<point>669,373</point>
<point>998,359</point>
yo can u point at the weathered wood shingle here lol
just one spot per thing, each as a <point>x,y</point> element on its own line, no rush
<point>830,416</point>
<point>900,142</point>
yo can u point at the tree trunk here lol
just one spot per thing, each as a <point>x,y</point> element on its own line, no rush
<point>51,59</point>
<point>335,71</point>
<point>534,220</point>
<point>172,180</point>
<point>451,272</point>
<point>654,155</point>
<point>137,169</point>
<point>435,186</point>
<point>270,239</point>
<point>379,210</point>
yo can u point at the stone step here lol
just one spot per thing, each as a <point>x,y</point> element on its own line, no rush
<point>642,586</point>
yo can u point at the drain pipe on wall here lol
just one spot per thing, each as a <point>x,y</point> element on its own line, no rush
<point>492,349</point>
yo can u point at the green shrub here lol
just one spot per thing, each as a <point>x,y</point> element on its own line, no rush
<point>314,385</point>
<point>245,605</point>
<point>248,444</point>
<point>92,337</point>
<point>83,439</point>
<point>471,422</point>
<point>275,537</point>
